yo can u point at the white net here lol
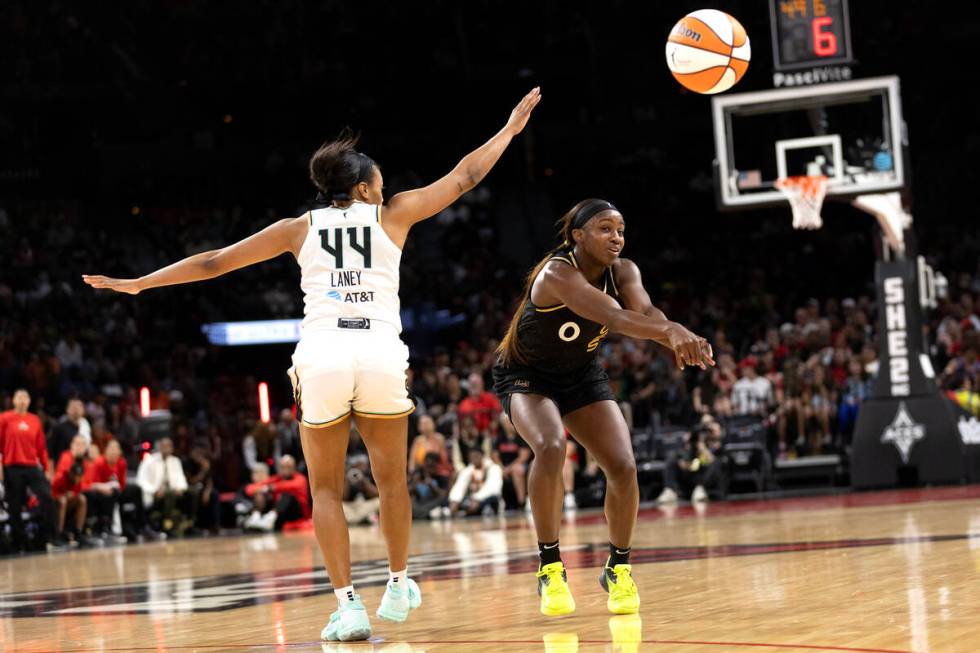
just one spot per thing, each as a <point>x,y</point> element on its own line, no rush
<point>805,195</point>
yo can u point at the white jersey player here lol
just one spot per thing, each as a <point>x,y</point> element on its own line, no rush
<point>350,362</point>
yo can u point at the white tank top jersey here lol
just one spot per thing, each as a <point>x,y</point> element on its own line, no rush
<point>349,268</point>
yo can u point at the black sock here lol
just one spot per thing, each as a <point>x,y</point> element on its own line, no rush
<point>548,552</point>
<point>618,556</point>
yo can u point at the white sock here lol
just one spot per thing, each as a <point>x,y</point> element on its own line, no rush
<point>344,594</point>
<point>397,577</point>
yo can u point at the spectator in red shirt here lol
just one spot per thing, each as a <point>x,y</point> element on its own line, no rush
<point>482,406</point>
<point>106,488</point>
<point>279,499</point>
<point>71,480</point>
<point>23,457</point>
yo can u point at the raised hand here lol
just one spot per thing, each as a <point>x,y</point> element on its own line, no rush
<point>129,286</point>
<point>522,112</point>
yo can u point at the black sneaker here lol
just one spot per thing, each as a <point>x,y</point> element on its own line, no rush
<point>151,535</point>
<point>89,542</point>
<point>111,539</point>
<point>58,544</point>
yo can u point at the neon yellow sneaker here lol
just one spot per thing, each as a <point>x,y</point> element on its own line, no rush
<point>556,599</point>
<point>624,598</point>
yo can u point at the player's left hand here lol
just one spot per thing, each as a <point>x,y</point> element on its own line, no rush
<point>130,286</point>
<point>522,112</point>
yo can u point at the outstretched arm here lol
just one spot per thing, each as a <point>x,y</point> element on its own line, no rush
<point>570,288</point>
<point>282,236</point>
<point>405,209</point>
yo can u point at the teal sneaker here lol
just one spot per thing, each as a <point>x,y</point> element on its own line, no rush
<point>397,601</point>
<point>348,623</point>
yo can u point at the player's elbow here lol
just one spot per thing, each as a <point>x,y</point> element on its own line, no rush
<point>617,322</point>
<point>468,178</point>
<point>211,263</point>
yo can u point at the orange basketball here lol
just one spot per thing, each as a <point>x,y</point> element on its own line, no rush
<point>708,51</point>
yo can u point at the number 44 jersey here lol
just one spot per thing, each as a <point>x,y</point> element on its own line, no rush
<point>349,268</point>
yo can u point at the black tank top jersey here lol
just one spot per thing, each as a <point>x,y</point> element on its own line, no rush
<point>554,340</point>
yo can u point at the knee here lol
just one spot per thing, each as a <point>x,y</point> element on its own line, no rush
<point>325,494</point>
<point>550,449</point>
<point>621,470</point>
<point>391,481</point>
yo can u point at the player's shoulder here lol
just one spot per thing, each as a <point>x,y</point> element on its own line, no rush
<point>622,263</point>
<point>625,269</point>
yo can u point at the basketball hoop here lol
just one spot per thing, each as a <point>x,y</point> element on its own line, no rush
<point>805,195</point>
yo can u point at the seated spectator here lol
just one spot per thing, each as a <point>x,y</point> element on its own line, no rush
<point>23,463</point>
<point>429,441</point>
<point>71,424</point>
<point>698,464</point>
<point>361,503</point>
<point>101,498</point>
<point>287,435</point>
<point>71,480</point>
<point>161,478</point>
<point>429,489</point>
<point>245,498</point>
<point>857,388</point>
<point>752,394</point>
<point>816,407</point>
<point>791,408</point>
<point>279,499</point>
<point>478,486</point>
<point>108,489</point>
<point>261,446</point>
<point>480,405</point>
<point>468,438</point>
<point>512,454</point>
<point>205,506</point>
<point>967,397</point>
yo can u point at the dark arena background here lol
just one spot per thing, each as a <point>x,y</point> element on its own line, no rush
<point>816,490</point>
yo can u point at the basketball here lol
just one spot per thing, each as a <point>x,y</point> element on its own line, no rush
<point>708,51</point>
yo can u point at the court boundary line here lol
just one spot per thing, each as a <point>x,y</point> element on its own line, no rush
<point>587,642</point>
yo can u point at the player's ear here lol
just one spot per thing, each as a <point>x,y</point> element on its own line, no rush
<point>577,235</point>
<point>361,191</point>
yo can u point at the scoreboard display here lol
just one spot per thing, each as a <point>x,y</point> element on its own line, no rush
<point>810,33</point>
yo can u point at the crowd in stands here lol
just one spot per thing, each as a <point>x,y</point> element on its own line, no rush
<point>101,478</point>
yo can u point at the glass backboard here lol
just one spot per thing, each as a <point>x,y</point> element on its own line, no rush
<point>851,132</point>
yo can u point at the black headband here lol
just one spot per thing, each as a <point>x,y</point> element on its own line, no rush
<point>588,211</point>
<point>364,167</point>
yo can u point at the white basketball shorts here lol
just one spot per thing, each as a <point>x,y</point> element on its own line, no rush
<point>339,371</point>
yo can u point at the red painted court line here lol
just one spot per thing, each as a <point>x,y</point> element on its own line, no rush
<point>589,642</point>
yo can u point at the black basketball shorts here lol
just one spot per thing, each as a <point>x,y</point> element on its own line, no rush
<point>569,391</point>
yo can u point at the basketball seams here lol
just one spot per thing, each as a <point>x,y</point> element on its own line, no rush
<point>723,67</point>
<point>704,80</point>
<point>713,31</point>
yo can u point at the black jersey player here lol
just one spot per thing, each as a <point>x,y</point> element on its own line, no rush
<point>548,377</point>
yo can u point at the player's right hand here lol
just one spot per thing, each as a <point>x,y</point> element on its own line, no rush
<point>690,349</point>
<point>130,286</point>
<point>522,112</point>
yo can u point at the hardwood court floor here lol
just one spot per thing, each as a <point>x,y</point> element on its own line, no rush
<point>879,572</point>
